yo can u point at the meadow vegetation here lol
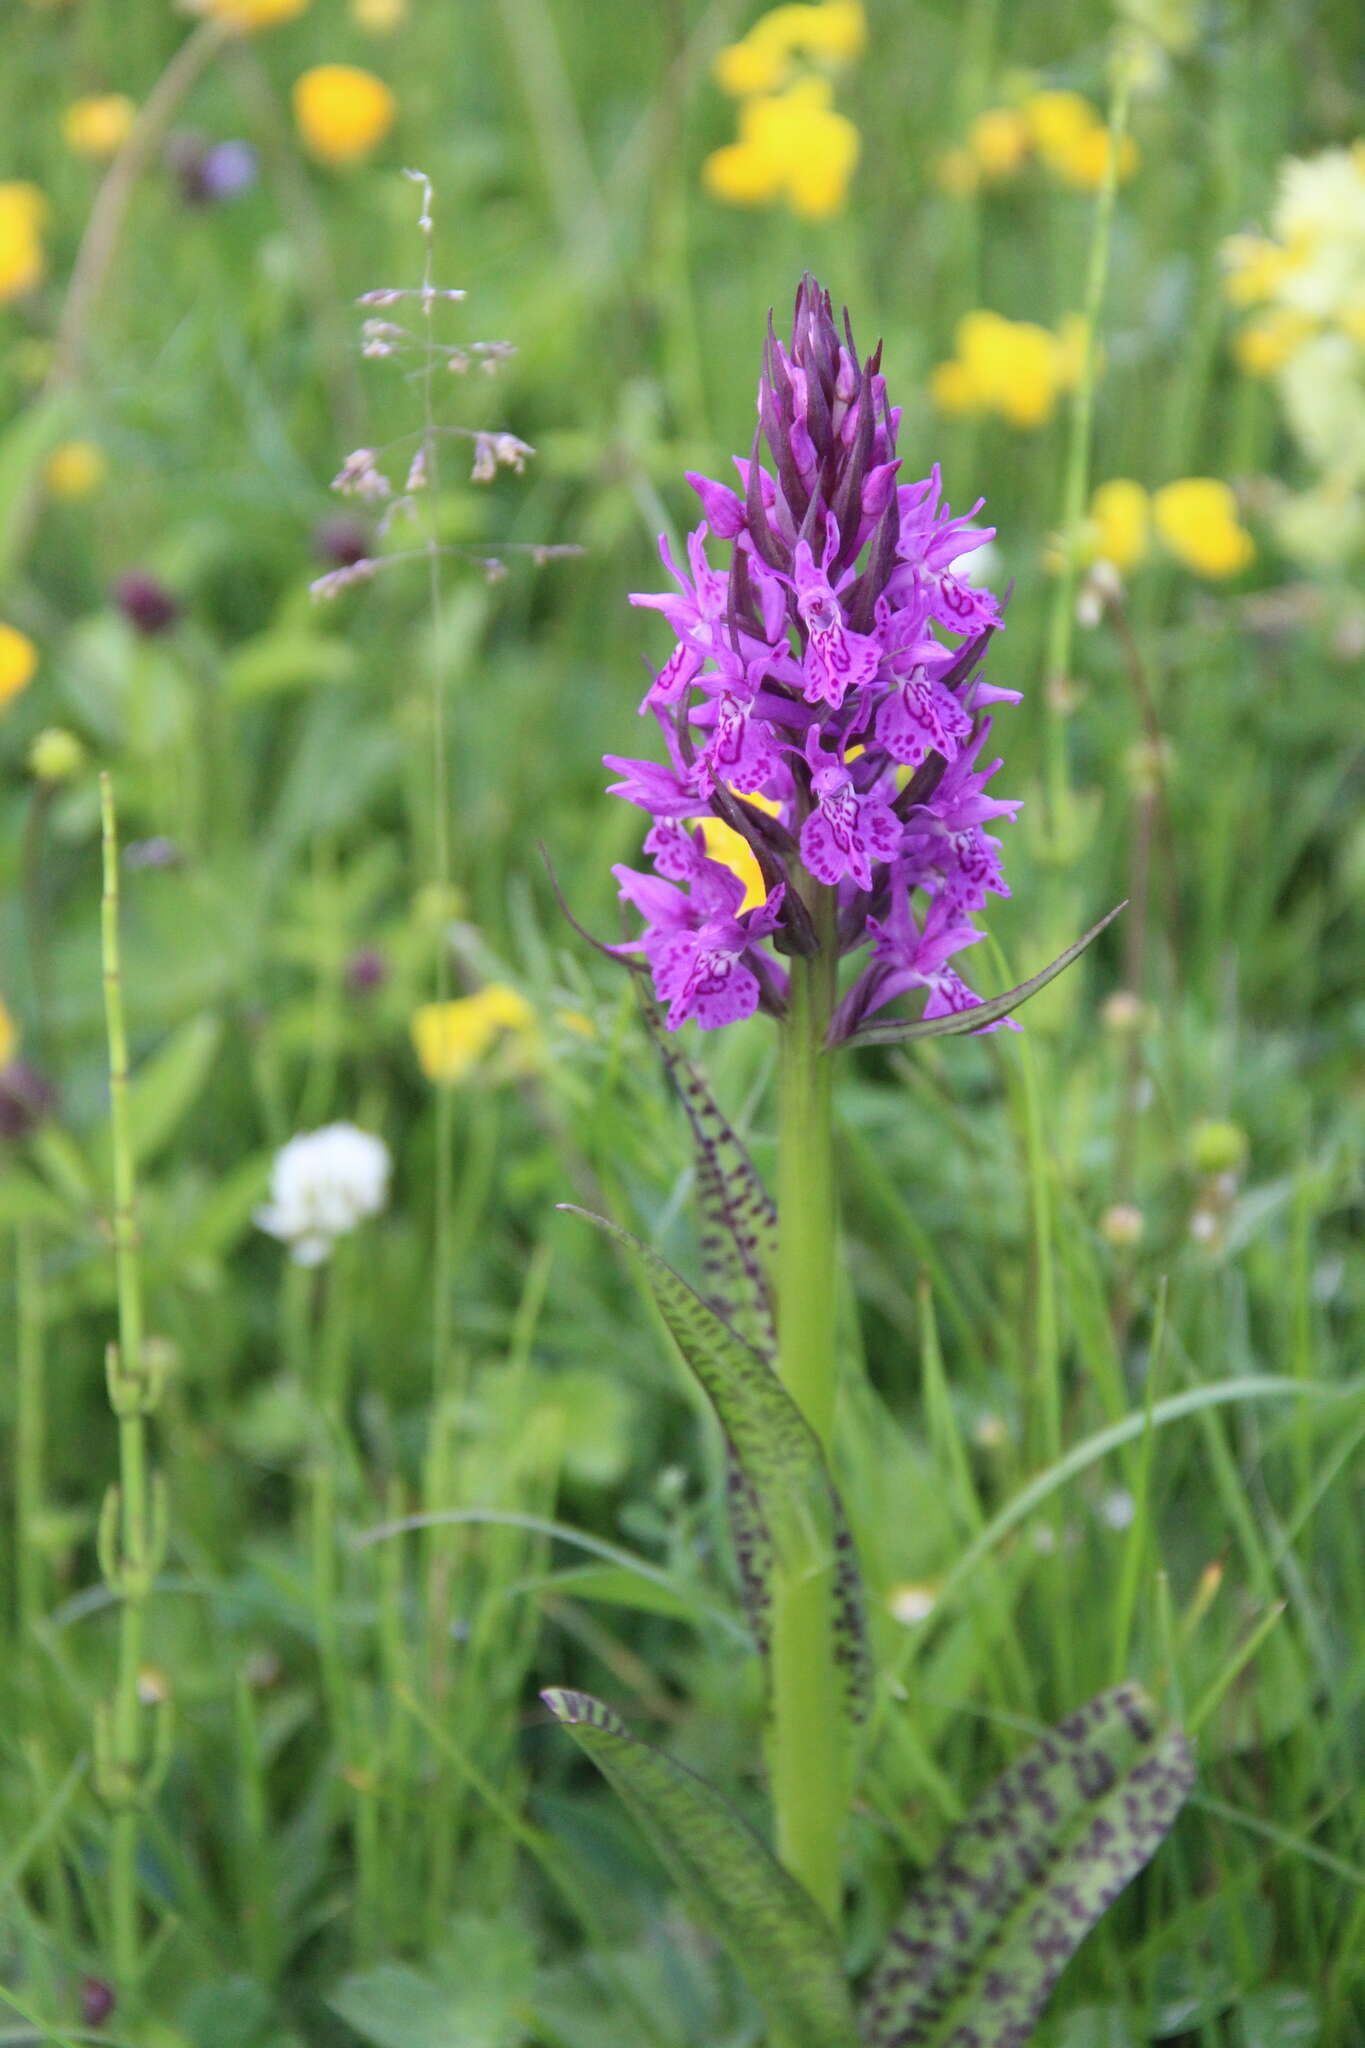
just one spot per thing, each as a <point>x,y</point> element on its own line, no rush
<point>273,1766</point>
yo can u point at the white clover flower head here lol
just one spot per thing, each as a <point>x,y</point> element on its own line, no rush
<point>322,1184</point>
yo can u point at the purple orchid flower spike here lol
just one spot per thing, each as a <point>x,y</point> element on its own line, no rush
<point>822,711</point>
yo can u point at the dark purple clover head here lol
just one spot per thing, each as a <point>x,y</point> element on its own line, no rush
<point>26,1097</point>
<point>822,712</point>
<point>146,603</point>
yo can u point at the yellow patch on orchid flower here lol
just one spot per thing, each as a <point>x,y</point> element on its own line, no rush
<point>342,112</point>
<point>732,850</point>
<point>1196,519</point>
<point>793,146</point>
<point>1119,524</point>
<point>18,660</point>
<point>74,470</point>
<point>999,141</point>
<point>97,126</point>
<point>451,1038</point>
<point>832,32</point>
<point>249,15</point>
<point>9,1035</point>
<point>23,210</point>
<point>379,17</point>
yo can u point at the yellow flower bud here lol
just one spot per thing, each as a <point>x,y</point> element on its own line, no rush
<point>55,755</point>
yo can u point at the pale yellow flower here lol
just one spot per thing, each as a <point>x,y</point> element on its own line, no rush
<point>23,210</point>
<point>379,17</point>
<point>1271,340</point>
<point>97,126</point>
<point>793,146</point>
<point>74,470</point>
<point>1119,523</point>
<point>18,660</point>
<point>9,1035</point>
<point>451,1038</point>
<point>1196,519</point>
<point>342,112</point>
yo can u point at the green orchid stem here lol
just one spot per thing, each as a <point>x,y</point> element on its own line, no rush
<point>807,1748</point>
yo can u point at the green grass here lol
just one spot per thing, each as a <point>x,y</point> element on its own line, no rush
<point>364,1831</point>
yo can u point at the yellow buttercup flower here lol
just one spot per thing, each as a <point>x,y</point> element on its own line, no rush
<point>792,146</point>
<point>18,660</point>
<point>1083,163</point>
<point>248,15</point>
<point>75,470</point>
<point>9,1035</point>
<point>1119,523</point>
<point>733,851</point>
<point>451,1038</point>
<point>379,17</point>
<point>23,210</point>
<point>1197,521</point>
<point>999,141</point>
<point>97,127</point>
<point>833,32</point>
<point>1057,121</point>
<point>342,112</point>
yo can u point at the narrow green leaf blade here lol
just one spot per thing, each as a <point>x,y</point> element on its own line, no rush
<point>895,1031</point>
<point>788,1506</point>
<point>771,1927</point>
<point>738,1218</point>
<point>1020,1883</point>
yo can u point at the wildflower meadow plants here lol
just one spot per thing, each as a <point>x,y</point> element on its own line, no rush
<point>823,705</point>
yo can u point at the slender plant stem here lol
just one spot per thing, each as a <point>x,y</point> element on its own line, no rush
<point>1077,476</point>
<point>30,1432</point>
<point>130,1552</point>
<point>807,1751</point>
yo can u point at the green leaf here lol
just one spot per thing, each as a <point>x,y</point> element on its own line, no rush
<point>738,1218</point>
<point>1281,2016</point>
<point>896,1031</point>
<point>789,1507</point>
<point>277,661</point>
<point>24,448</point>
<point>165,1087</point>
<point>771,1927</point>
<point>1020,1883</point>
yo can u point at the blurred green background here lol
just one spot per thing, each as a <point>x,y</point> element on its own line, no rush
<point>362,1832</point>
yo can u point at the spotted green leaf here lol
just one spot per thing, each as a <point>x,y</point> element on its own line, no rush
<point>771,1927</point>
<point>1020,1883</point>
<point>789,1509</point>
<point>738,1218</point>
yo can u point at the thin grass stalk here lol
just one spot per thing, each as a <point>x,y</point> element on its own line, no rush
<point>1076,478</point>
<point>30,1429</point>
<point>130,1536</point>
